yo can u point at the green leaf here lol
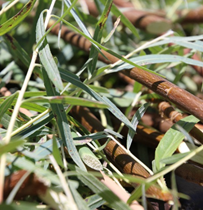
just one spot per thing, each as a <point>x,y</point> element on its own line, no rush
<point>94,201</point>
<point>98,35</point>
<point>153,59</point>
<point>11,146</point>
<point>42,151</point>
<point>16,50</point>
<point>137,193</point>
<point>62,123</point>
<point>5,120</point>
<point>81,204</point>
<point>46,56</point>
<point>174,158</point>
<point>183,41</point>
<point>15,20</point>
<point>77,19</point>
<point>36,126</point>
<point>124,20</point>
<point>67,100</point>
<point>112,108</point>
<point>135,120</point>
<point>56,152</point>
<point>23,163</point>
<point>99,188</point>
<point>172,138</point>
<point>89,158</point>
<point>5,105</point>
<point>22,205</point>
<point>32,106</point>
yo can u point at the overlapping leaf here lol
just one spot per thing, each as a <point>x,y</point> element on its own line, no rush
<point>15,20</point>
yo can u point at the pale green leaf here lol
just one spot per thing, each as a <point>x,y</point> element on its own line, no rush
<point>172,139</point>
<point>15,20</point>
<point>46,56</point>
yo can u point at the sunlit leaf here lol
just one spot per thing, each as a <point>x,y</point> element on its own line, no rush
<point>172,139</point>
<point>15,20</point>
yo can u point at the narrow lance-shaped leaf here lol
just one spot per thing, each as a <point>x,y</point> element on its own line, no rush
<point>67,100</point>
<point>89,158</point>
<point>124,20</point>
<point>56,152</point>
<point>16,50</point>
<point>81,203</point>
<point>94,201</point>
<point>77,19</point>
<point>98,35</point>
<point>183,41</point>
<point>46,56</point>
<point>62,123</point>
<point>28,165</point>
<point>6,104</point>
<point>11,146</point>
<point>172,139</point>
<point>15,20</point>
<point>135,120</point>
<point>111,107</point>
<point>153,59</point>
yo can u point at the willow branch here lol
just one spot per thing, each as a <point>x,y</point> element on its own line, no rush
<point>167,110</point>
<point>115,153</point>
<point>183,99</point>
<point>191,16</point>
<point>151,22</point>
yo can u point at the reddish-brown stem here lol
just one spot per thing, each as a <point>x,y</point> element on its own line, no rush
<point>115,153</point>
<point>151,22</point>
<point>163,87</point>
<point>167,110</point>
<point>191,173</point>
<point>191,16</point>
<point>32,186</point>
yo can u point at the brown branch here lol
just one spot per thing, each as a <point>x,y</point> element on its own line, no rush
<point>31,186</point>
<point>167,110</point>
<point>183,99</point>
<point>115,153</point>
<point>156,121</point>
<point>191,173</point>
<point>191,16</point>
<point>151,22</point>
<point>185,16</point>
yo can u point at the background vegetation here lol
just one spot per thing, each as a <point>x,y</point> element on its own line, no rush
<point>100,104</point>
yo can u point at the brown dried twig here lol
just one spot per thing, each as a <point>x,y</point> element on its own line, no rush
<point>151,22</point>
<point>183,99</point>
<point>167,110</point>
<point>191,16</point>
<point>32,185</point>
<point>116,154</point>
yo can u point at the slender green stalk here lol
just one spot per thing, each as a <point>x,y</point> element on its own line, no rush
<point>144,46</point>
<point>16,109</point>
<point>28,123</point>
<point>175,165</point>
<point>9,6</point>
<point>63,182</point>
<point>13,119</point>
